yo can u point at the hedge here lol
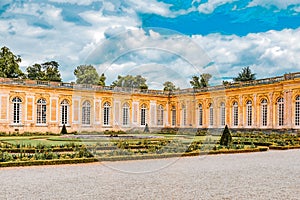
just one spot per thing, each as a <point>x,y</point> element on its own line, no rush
<point>47,162</point>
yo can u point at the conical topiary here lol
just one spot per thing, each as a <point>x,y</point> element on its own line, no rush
<point>146,130</point>
<point>64,130</point>
<point>226,138</point>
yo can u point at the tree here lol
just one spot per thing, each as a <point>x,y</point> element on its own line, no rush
<point>226,138</point>
<point>245,75</point>
<point>64,130</point>
<point>102,80</point>
<point>51,71</point>
<point>205,79</point>
<point>87,74</point>
<point>35,72</point>
<point>47,71</point>
<point>9,64</point>
<point>169,86</point>
<point>130,81</point>
<point>146,129</point>
<point>200,82</point>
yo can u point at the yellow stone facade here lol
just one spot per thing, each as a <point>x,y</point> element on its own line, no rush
<point>38,106</point>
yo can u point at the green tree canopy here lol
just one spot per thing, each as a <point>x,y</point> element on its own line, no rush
<point>245,75</point>
<point>102,80</point>
<point>169,86</point>
<point>200,82</point>
<point>47,71</point>
<point>9,64</point>
<point>87,74</point>
<point>130,81</point>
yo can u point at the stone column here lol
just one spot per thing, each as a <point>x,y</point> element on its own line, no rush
<point>254,125</point>
<point>271,120</point>
<point>241,112</point>
<point>288,111</point>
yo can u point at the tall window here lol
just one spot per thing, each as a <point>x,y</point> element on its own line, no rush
<point>160,115</point>
<point>41,111</point>
<point>222,113</point>
<point>17,102</point>
<point>173,116</point>
<point>183,115</point>
<point>297,111</point>
<point>211,115</point>
<point>143,114</point>
<point>264,112</point>
<point>200,115</point>
<point>235,110</point>
<point>280,108</point>
<point>86,113</point>
<point>64,110</point>
<point>106,114</point>
<point>125,118</point>
<point>249,113</point>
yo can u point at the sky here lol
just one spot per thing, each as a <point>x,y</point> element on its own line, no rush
<point>162,40</point>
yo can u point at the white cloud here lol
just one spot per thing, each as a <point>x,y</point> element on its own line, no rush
<point>281,4</point>
<point>211,5</point>
<point>150,52</point>
<point>150,6</point>
<point>78,2</point>
<point>269,54</point>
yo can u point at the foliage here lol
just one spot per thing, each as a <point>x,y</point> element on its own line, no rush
<point>226,83</point>
<point>9,64</point>
<point>47,71</point>
<point>102,80</point>
<point>87,74</point>
<point>169,86</point>
<point>64,130</point>
<point>146,130</point>
<point>200,82</point>
<point>130,81</point>
<point>245,75</point>
<point>226,138</point>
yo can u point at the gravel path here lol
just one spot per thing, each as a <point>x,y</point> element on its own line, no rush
<point>264,175</point>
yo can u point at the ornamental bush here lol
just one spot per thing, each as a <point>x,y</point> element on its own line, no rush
<point>226,138</point>
<point>64,130</point>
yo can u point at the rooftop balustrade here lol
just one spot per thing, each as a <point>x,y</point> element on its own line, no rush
<point>89,87</point>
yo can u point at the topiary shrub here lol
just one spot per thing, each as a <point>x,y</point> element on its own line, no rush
<point>226,138</point>
<point>146,130</point>
<point>64,130</point>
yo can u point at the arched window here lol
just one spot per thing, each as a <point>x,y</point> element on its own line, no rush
<point>183,115</point>
<point>211,114</point>
<point>143,114</point>
<point>200,115</point>
<point>173,116</point>
<point>235,113</point>
<point>280,109</point>
<point>106,113</point>
<point>125,118</point>
<point>86,113</point>
<point>264,112</point>
<point>249,113</point>
<point>297,111</point>
<point>17,102</point>
<point>64,110</point>
<point>160,115</point>
<point>41,109</point>
<point>222,113</point>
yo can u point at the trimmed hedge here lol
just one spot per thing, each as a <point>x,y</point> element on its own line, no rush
<point>171,155</point>
<point>47,162</point>
<point>283,147</point>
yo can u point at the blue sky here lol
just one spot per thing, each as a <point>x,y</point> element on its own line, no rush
<point>160,39</point>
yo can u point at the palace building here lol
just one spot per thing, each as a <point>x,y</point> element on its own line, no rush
<point>39,106</point>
